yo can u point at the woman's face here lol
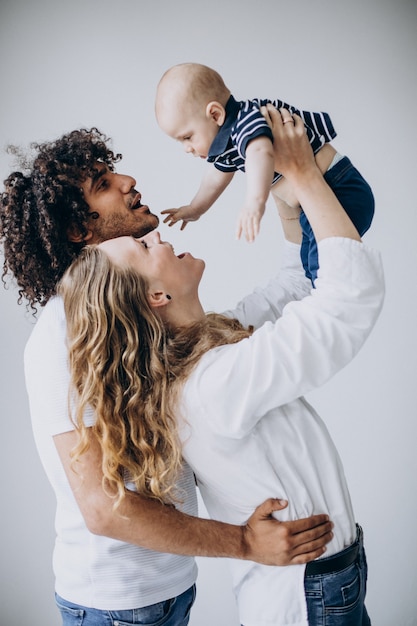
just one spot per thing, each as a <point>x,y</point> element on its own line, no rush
<point>157,263</point>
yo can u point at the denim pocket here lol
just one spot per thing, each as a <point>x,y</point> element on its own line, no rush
<point>172,612</point>
<point>351,591</point>
<point>154,615</point>
<point>337,599</point>
<point>70,617</point>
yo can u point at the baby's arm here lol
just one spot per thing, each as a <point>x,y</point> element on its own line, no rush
<point>259,174</point>
<point>212,186</point>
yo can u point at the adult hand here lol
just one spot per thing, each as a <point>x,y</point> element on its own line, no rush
<point>272,542</point>
<point>292,151</point>
<point>293,157</point>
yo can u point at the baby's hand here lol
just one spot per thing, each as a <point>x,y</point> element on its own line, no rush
<point>249,222</point>
<point>185,213</point>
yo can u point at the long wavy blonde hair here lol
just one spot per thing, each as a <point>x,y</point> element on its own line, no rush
<point>128,366</point>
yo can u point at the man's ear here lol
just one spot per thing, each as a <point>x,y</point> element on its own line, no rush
<point>216,112</point>
<point>74,235</point>
<point>158,299</point>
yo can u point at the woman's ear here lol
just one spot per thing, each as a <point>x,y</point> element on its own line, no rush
<point>216,112</point>
<point>158,299</point>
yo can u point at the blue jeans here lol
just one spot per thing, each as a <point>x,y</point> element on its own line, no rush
<point>355,196</point>
<point>338,598</point>
<point>173,612</point>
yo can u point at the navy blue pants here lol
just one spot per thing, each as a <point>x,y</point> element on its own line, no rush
<point>355,196</point>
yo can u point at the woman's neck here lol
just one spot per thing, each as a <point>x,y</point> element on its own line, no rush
<point>180,314</point>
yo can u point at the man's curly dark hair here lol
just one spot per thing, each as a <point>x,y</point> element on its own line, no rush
<point>40,203</point>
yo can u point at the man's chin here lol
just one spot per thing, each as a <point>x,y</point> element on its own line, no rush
<point>150,224</point>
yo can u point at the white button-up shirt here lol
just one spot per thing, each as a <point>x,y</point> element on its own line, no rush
<point>249,434</point>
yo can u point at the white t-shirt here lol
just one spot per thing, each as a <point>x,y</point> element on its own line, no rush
<point>91,570</point>
<point>249,434</point>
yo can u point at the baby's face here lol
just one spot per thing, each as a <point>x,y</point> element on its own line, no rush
<point>194,129</point>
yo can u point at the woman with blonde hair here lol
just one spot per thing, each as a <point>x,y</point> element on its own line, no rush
<point>168,382</point>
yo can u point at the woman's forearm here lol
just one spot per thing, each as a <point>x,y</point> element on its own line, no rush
<point>323,210</point>
<point>295,160</point>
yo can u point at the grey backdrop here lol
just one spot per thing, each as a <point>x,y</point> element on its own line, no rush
<point>85,62</point>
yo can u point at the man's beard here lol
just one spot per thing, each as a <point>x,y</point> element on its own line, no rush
<point>121,226</point>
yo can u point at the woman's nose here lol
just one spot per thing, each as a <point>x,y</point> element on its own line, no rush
<point>153,237</point>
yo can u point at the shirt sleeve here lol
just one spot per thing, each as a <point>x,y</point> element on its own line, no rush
<point>250,125</point>
<point>267,303</point>
<point>47,373</point>
<point>309,343</point>
<point>318,125</point>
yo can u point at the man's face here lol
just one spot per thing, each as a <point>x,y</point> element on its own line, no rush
<point>115,206</point>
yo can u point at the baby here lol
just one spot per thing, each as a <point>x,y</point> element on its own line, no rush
<point>194,106</point>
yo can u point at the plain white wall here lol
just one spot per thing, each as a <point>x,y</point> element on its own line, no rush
<point>97,62</point>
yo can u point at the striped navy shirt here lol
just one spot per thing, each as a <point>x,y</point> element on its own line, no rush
<point>245,122</point>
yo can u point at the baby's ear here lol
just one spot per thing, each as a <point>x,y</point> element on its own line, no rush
<point>216,112</point>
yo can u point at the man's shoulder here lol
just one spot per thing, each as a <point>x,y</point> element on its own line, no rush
<point>50,328</point>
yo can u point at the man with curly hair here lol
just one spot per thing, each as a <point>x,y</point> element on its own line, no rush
<point>135,563</point>
<point>45,216</point>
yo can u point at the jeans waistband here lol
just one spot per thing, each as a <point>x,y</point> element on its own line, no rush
<point>339,561</point>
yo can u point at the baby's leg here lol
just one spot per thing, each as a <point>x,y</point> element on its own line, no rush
<point>356,197</point>
<point>285,198</point>
<point>289,209</point>
<point>353,192</point>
